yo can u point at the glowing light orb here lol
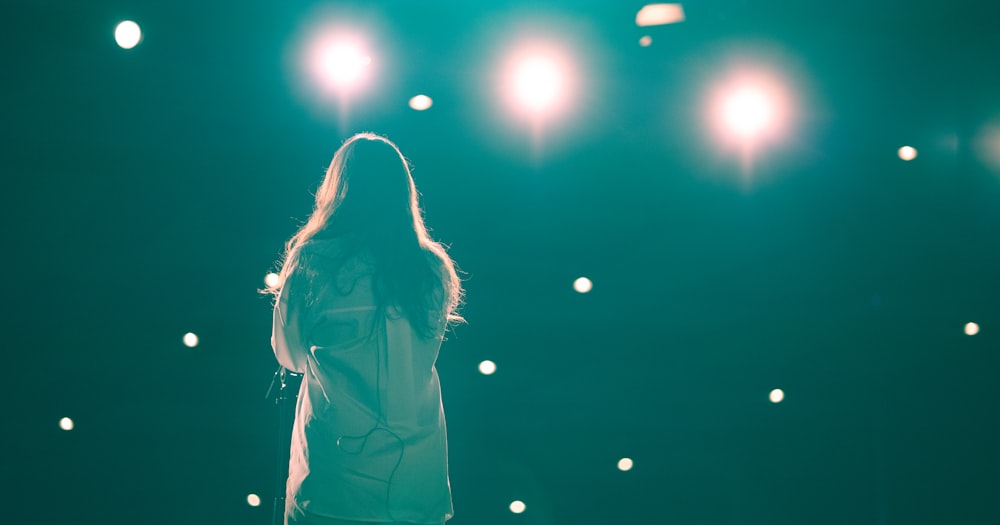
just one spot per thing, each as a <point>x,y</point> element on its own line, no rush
<point>538,83</point>
<point>421,102</point>
<point>907,153</point>
<point>646,41</point>
<point>66,424</point>
<point>272,279</point>
<point>253,500</point>
<point>971,328</point>
<point>583,285</point>
<point>128,34</point>
<point>342,63</point>
<point>659,14</point>
<point>625,464</point>
<point>190,340</point>
<point>748,112</point>
<point>777,395</point>
<point>517,506</point>
<point>487,367</point>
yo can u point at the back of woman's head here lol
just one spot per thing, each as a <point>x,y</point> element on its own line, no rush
<point>368,192</point>
<point>369,200</point>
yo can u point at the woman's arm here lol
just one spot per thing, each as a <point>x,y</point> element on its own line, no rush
<point>286,326</point>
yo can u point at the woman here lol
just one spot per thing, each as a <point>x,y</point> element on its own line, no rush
<point>363,301</point>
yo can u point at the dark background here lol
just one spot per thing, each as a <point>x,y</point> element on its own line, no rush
<point>147,192</point>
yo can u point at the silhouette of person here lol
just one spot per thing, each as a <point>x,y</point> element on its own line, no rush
<point>363,302</point>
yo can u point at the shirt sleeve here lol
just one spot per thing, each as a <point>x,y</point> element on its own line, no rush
<point>286,327</point>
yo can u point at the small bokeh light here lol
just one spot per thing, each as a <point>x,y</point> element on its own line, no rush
<point>128,34</point>
<point>583,285</point>
<point>487,367</point>
<point>517,506</point>
<point>971,328</point>
<point>646,41</point>
<point>625,464</point>
<point>66,424</point>
<point>777,395</point>
<point>253,500</point>
<point>190,340</point>
<point>907,153</point>
<point>421,103</point>
<point>272,279</point>
<point>659,14</point>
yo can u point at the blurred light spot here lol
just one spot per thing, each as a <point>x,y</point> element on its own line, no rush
<point>971,329</point>
<point>583,285</point>
<point>538,83</point>
<point>777,395</point>
<point>128,34</point>
<point>190,340</point>
<point>986,145</point>
<point>253,500</point>
<point>646,41</point>
<point>517,506</point>
<point>625,464</point>
<point>272,279</point>
<point>659,14</point>
<point>66,423</point>
<point>487,367</point>
<point>748,111</point>
<point>907,153</point>
<point>342,63</point>
<point>421,102</point>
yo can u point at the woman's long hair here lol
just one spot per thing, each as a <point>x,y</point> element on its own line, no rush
<point>369,200</point>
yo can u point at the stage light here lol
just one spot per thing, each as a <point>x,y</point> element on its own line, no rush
<point>646,41</point>
<point>971,329</point>
<point>271,279</point>
<point>907,153</point>
<point>659,14</point>
<point>340,63</point>
<point>421,102</point>
<point>748,112</point>
<point>517,506</point>
<point>538,83</point>
<point>583,285</point>
<point>487,367</point>
<point>128,34</point>
<point>777,395</point>
<point>253,500</point>
<point>625,464</point>
<point>190,340</point>
<point>66,424</point>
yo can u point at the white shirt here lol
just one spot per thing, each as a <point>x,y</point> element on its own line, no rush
<point>369,441</point>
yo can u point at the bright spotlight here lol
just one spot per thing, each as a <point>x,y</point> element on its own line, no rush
<point>659,14</point>
<point>271,279</point>
<point>421,102</point>
<point>538,83</point>
<point>907,153</point>
<point>190,340</point>
<point>971,329</point>
<point>253,500</point>
<point>749,109</point>
<point>128,34</point>
<point>517,506</point>
<point>625,464</point>
<point>487,367</point>
<point>66,424</point>
<point>748,112</point>
<point>342,63</point>
<point>777,395</point>
<point>583,285</point>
